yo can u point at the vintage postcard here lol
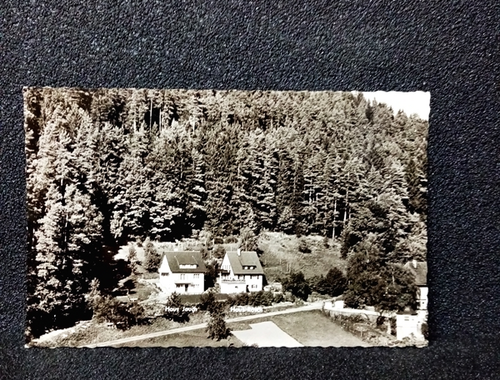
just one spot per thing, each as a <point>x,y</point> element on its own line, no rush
<point>192,218</point>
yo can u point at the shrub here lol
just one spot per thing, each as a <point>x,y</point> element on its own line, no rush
<point>260,299</point>
<point>174,309</point>
<point>123,316</point>
<point>136,313</point>
<point>373,282</point>
<point>204,253</point>
<point>425,330</point>
<point>216,327</point>
<point>230,301</point>
<point>153,310</point>
<point>297,285</point>
<point>317,284</point>
<point>211,274</point>
<point>151,256</point>
<point>132,253</point>
<point>132,258</point>
<point>304,246</point>
<point>278,297</point>
<point>300,229</point>
<point>267,298</point>
<point>208,301</point>
<point>352,300</point>
<point>335,282</point>
<point>393,326</point>
<point>242,299</point>
<point>289,297</point>
<point>231,239</point>
<point>248,240</point>
<point>219,252</point>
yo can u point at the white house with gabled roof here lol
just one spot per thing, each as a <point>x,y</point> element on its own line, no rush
<point>241,271</point>
<point>409,323</point>
<point>182,272</point>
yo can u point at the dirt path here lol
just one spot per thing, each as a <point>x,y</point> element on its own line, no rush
<point>312,306</point>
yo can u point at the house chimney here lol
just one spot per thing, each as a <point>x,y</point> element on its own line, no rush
<point>414,262</point>
<point>238,252</point>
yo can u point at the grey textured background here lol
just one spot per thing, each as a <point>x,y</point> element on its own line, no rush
<point>447,48</point>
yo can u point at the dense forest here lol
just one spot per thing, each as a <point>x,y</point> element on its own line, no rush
<point>108,166</point>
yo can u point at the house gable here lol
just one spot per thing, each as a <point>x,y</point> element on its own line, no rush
<point>164,267</point>
<point>419,271</point>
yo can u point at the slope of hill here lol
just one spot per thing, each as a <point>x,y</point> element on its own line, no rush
<point>282,255</point>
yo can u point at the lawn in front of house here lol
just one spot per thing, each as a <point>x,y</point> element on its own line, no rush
<point>310,328</point>
<point>194,338</point>
<point>313,328</point>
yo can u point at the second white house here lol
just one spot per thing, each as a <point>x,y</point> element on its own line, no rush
<point>241,271</point>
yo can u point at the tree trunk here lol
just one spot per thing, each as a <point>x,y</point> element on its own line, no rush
<point>346,200</point>
<point>334,218</point>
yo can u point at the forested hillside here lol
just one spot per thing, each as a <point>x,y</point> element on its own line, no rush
<point>108,166</point>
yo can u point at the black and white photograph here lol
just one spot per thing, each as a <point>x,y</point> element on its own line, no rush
<point>226,218</point>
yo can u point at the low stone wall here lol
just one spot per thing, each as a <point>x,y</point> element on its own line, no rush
<point>365,315</point>
<point>360,323</point>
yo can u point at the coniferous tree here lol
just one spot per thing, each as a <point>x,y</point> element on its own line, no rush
<point>151,256</point>
<point>108,166</point>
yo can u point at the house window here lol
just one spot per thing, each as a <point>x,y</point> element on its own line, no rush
<point>196,275</point>
<point>187,266</point>
<point>254,286</point>
<point>183,276</point>
<point>164,273</point>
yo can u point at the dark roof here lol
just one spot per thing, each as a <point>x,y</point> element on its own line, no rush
<point>245,258</point>
<point>419,270</point>
<point>175,259</point>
